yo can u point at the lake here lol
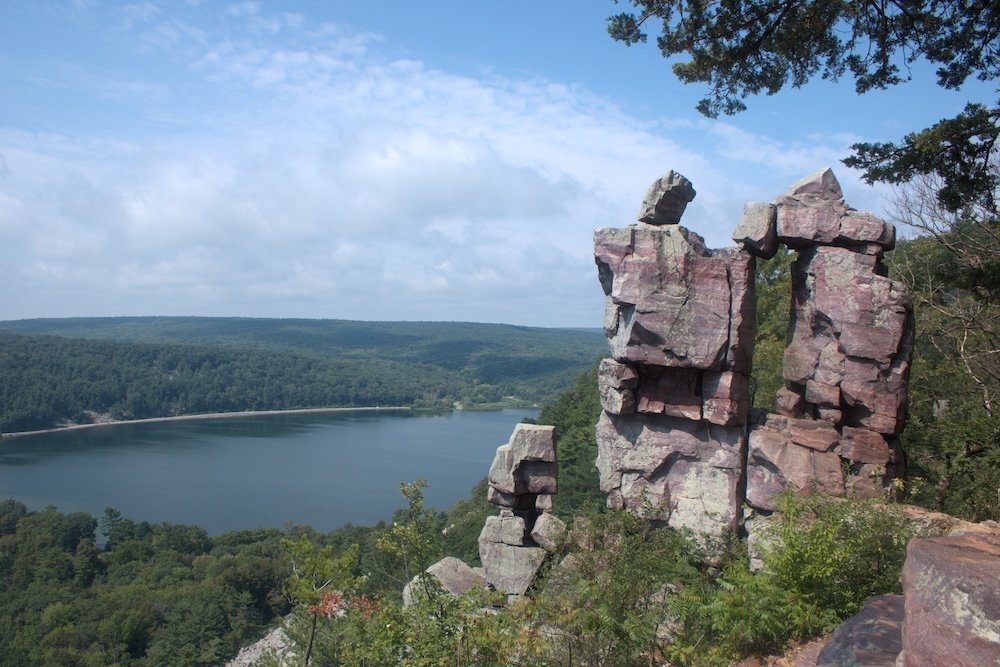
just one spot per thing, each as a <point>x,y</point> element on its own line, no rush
<point>318,469</point>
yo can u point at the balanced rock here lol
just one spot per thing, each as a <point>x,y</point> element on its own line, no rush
<point>666,199</point>
<point>526,465</point>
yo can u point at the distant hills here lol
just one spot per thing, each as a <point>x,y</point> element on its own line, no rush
<point>77,369</point>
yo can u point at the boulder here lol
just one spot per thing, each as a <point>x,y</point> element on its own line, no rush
<point>525,465</point>
<point>757,229</point>
<point>952,589</point>
<point>548,531</point>
<point>873,637</point>
<point>510,569</point>
<point>454,577</point>
<point>821,185</point>
<point>666,199</point>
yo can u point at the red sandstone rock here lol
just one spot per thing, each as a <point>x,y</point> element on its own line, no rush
<point>952,590</point>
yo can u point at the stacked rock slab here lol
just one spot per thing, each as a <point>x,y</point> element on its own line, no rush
<point>522,480</point>
<point>675,392</point>
<point>846,363</point>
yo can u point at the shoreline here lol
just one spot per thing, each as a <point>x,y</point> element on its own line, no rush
<point>207,415</point>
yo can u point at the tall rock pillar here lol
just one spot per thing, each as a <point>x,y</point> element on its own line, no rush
<point>675,390</point>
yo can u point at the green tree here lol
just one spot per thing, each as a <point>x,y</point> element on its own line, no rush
<point>319,581</point>
<point>747,47</point>
<point>953,271</point>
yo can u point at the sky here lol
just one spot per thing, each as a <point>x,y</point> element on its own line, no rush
<point>372,159</point>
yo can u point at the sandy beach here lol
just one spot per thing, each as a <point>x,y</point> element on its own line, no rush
<point>211,415</point>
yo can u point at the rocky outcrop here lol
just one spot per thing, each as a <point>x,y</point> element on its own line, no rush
<point>846,365</point>
<point>952,589</point>
<point>522,480</point>
<point>873,637</point>
<point>676,441</point>
<point>675,391</point>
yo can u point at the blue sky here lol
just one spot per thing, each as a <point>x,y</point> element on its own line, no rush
<point>377,160</point>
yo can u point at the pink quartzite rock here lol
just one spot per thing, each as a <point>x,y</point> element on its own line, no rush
<point>666,199</point>
<point>725,397</point>
<point>670,391</point>
<point>873,637</point>
<point>504,529</point>
<point>851,338</point>
<point>820,185</point>
<point>952,590</point>
<point>671,302</point>
<point>616,383</point>
<point>548,532</point>
<point>525,465</point>
<point>864,446</point>
<point>510,569</point>
<point>813,212</point>
<point>777,460</point>
<point>680,472</point>
<point>757,231</point>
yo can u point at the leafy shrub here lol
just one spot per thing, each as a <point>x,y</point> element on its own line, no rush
<point>837,553</point>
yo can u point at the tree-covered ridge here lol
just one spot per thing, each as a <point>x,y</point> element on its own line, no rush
<point>54,371</point>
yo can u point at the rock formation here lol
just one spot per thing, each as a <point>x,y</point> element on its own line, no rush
<point>952,590</point>
<point>676,441</point>
<point>522,480</point>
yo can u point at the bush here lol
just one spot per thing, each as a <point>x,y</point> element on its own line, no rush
<point>836,553</point>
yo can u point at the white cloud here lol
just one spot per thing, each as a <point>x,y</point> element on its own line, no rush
<point>327,181</point>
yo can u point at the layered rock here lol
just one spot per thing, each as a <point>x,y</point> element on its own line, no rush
<point>675,391</point>
<point>846,364</point>
<point>674,440</point>
<point>522,480</point>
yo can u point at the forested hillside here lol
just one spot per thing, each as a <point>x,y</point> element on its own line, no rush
<point>54,371</point>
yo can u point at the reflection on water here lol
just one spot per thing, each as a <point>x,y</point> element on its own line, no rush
<point>320,469</point>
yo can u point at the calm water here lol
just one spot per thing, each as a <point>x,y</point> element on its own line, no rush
<point>322,470</point>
